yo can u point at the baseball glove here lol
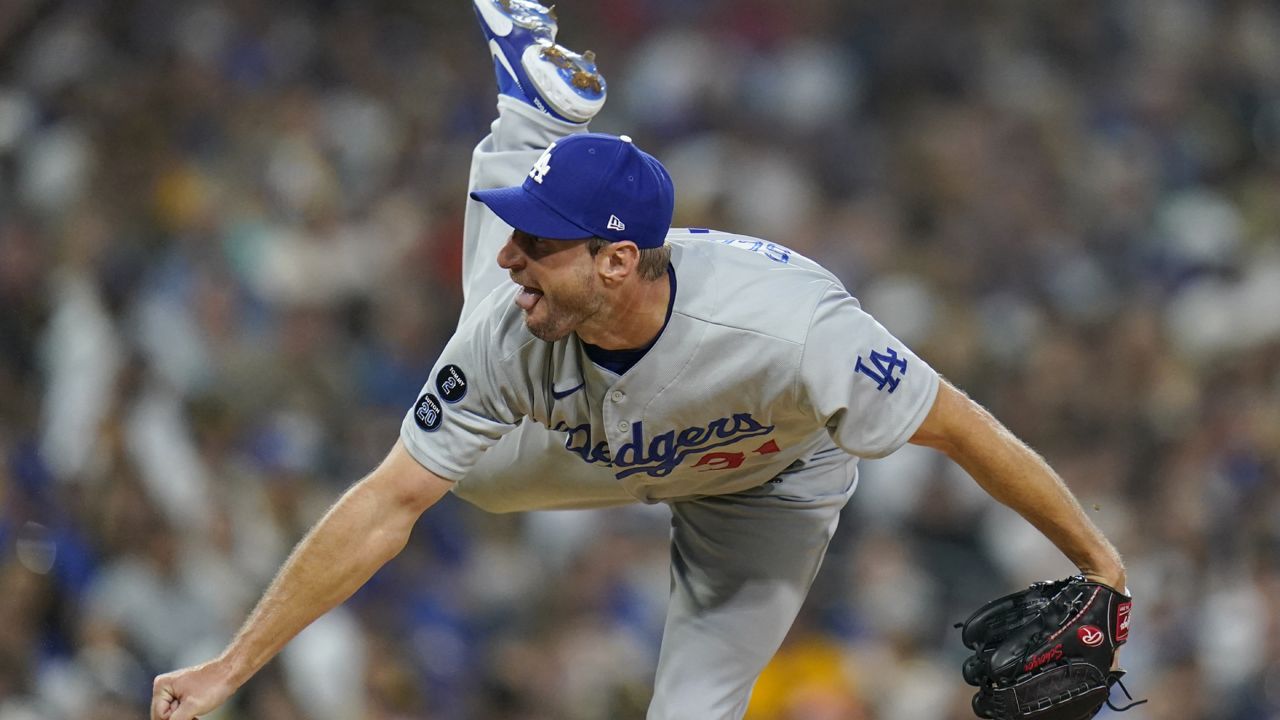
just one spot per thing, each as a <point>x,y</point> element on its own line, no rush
<point>1046,653</point>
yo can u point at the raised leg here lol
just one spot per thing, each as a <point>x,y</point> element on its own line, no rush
<point>538,90</point>
<point>545,92</point>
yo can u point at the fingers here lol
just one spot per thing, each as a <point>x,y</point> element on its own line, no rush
<point>171,708</point>
<point>166,704</point>
<point>187,693</point>
<point>175,709</point>
<point>162,701</point>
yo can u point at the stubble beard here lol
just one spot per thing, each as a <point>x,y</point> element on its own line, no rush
<point>567,313</point>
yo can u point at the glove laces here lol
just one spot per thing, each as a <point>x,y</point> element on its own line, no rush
<point>1132,704</point>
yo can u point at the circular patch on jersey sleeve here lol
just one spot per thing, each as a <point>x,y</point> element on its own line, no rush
<point>452,383</point>
<point>427,413</point>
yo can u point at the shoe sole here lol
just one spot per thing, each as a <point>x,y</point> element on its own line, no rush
<point>567,82</point>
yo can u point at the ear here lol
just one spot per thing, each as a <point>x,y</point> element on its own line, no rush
<point>617,261</point>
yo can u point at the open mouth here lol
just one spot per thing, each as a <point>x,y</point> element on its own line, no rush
<point>528,297</point>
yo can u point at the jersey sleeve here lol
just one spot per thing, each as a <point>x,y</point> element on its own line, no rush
<point>464,408</point>
<point>868,389</point>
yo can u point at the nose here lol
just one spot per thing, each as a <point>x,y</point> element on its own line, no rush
<point>509,255</point>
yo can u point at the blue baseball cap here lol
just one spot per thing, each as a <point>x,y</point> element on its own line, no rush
<point>590,185</point>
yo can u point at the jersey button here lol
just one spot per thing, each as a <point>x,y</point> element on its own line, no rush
<point>617,396</point>
<point>624,425</point>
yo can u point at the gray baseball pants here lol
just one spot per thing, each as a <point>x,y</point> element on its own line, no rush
<point>741,564</point>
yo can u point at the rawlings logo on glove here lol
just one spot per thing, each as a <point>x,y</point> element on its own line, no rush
<point>1046,653</point>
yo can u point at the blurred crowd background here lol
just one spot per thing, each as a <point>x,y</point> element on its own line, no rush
<point>229,253</point>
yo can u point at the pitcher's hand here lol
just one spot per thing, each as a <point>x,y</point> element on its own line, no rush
<point>190,692</point>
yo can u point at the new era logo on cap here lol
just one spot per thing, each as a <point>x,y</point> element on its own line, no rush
<point>596,178</point>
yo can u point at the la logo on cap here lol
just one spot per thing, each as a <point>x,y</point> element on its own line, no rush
<point>543,166</point>
<point>616,224</point>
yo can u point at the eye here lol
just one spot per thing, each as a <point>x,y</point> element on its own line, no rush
<point>528,243</point>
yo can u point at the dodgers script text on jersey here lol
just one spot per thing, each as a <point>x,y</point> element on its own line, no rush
<point>660,455</point>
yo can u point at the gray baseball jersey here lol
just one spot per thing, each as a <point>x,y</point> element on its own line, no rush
<point>765,364</point>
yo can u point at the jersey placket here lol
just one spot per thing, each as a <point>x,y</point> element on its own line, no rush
<point>617,422</point>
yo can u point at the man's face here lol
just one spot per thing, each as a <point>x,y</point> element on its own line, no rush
<point>559,287</point>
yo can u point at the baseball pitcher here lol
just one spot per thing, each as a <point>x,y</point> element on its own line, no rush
<point>604,358</point>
